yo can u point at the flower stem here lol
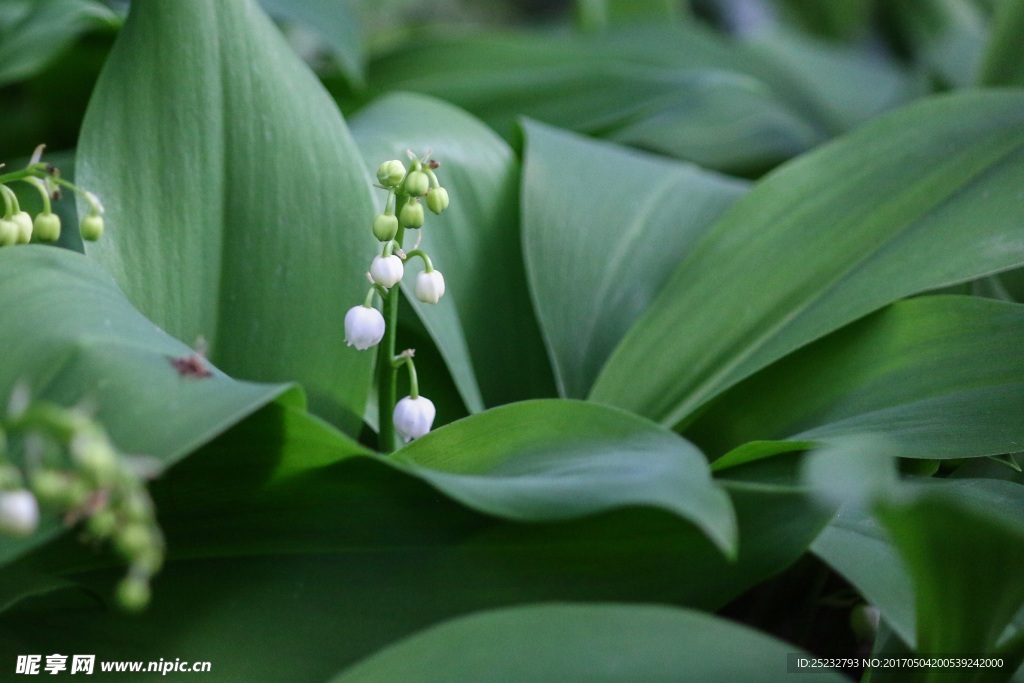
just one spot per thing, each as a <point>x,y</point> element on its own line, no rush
<point>387,374</point>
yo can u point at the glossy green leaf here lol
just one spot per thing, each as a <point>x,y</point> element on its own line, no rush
<point>857,546</point>
<point>554,459</point>
<point>285,566</point>
<point>584,642</point>
<point>595,15</point>
<point>845,20</point>
<point>485,320</point>
<point>603,229</point>
<point>237,203</point>
<point>707,113</point>
<point>939,376</point>
<point>334,22</point>
<point>962,605</point>
<point>1002,65</point>
<point>33,34</point>
<point>830,87</point>
<point>921,198</point>
<point>843,86</point>
<point>946,36</point>
<point>73,337</point>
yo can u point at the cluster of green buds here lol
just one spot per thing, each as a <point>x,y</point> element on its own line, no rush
<point>67,464</point>
<point>18,227</point>
<point>409,187</point>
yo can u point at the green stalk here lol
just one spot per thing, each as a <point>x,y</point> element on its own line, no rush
<point>387,373</point>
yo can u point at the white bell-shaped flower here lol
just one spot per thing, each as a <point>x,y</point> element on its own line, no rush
<point>364,327</point>
<point>19,512</point>
<point>387,271</point>
<point>430,286</point>
<point>413,417</point>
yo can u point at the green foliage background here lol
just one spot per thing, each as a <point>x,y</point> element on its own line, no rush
<point>731,346</point>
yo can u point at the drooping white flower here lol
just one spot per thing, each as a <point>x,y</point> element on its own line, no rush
<point>430,286</point>
<point>19,512</point>
<point>364,327</point>
<point>413,417</point>
<point>387,271</point>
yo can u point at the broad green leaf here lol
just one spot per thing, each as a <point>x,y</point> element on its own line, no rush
<point>857,546</point>
<point>237,203</point>
<point>484,324</point>
<point>74,338</point>
<point>946,36</point>
<point>963,542</point>
<point>921,198</point>
<point>281,574</point>
<point>721,120</point>
<point>586,86</point>
<point>603,229</point>
<point>835,20</point>
<point>843,86</point>
<point>595,15</point>
<point>829,87</point>
<point>334,22</point>
<point>33,34</point>
<point>939,376</point>
<point>584,642</point>
<point>1002,64</point>
<point>555,459</point>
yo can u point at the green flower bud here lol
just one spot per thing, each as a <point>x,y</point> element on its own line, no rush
<point>138,507</point>
<point>391,173</point>
<point>412,215</point>
<point>60,489</point>
<point>148,562</point>
<point>47,227</point>
<point>96,456</point>
<point>437,199</point>
<point>91,228</point>
<point>417,183</point>
<point>8,233</point>
<point>133,540</point>
<point>385,227</point>
<point>102,524</point>
<point>133,593</point>
<point>24,222</point>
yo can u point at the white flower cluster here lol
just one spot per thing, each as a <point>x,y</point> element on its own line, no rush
<point>409,188</point>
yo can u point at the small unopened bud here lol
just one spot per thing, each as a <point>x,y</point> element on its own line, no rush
<point>430,286</point>
<point>91,228</point>
<point>391,173</point>
<point>133,540</point>
<point>8,232</point>
<point>364,327</point>
<point>387,271</point>
<point>59,488</point>
<point>133,593</point>
<point>102,524</point>
<point>385,227</point>
<point>437,199</point>
<point>417,183</point>
<point>47,227</point>
<point>95,454</point>
<point>413,417</point>
<point>24,222</point>
<point>412,215</point>
<point>19,512</point>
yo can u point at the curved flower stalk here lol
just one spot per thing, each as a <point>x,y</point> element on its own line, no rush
<point>66,463</point>
<point>409,187</point>
<point>18,227</point>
